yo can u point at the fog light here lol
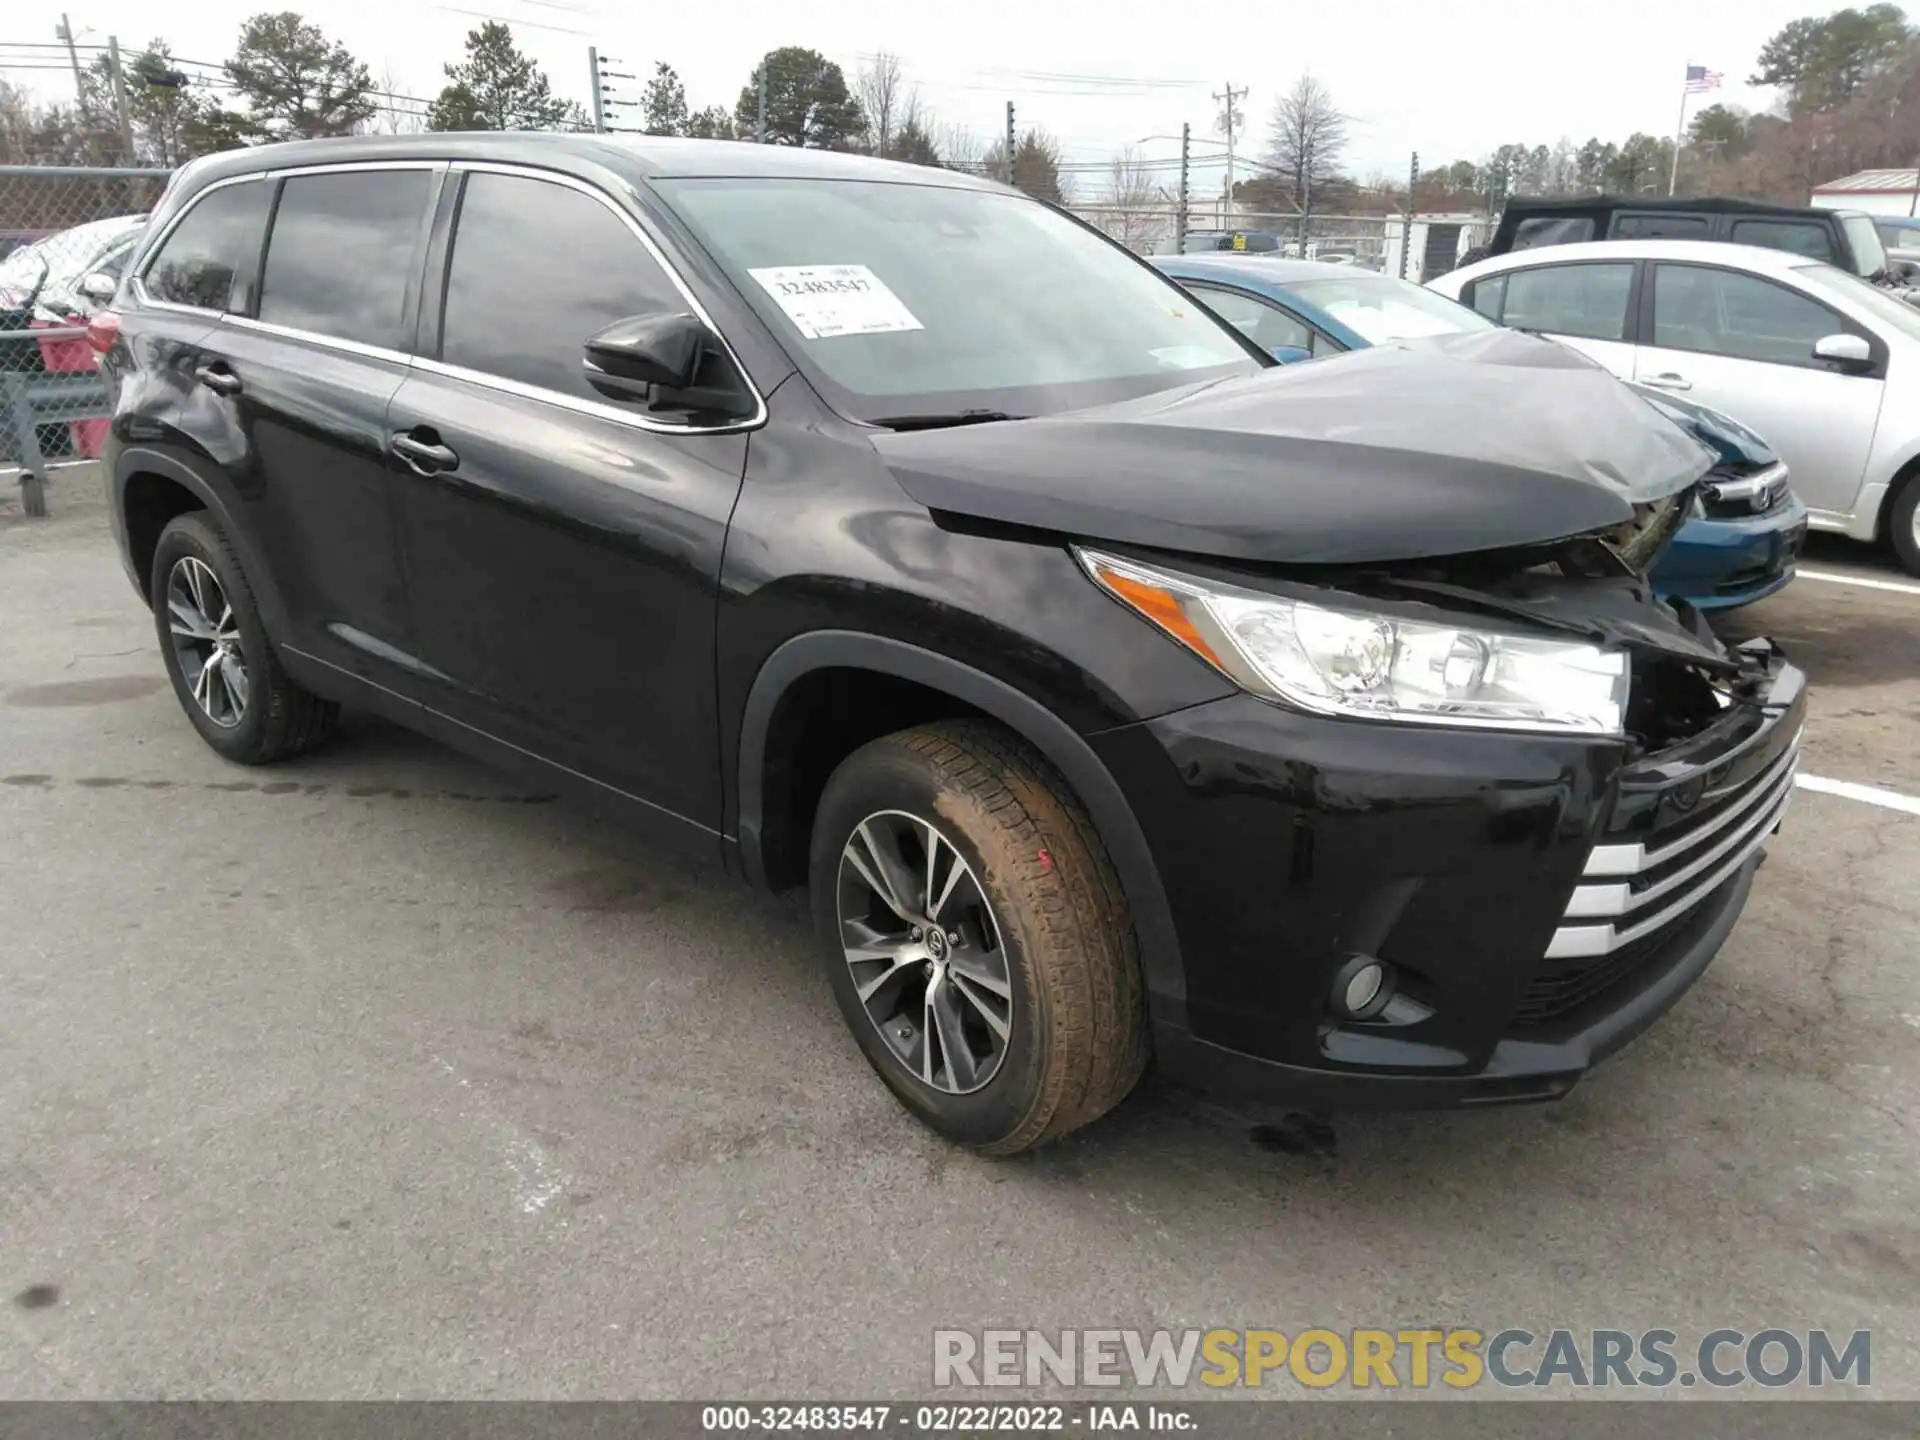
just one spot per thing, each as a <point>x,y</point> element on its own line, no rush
<point>1362,987</point>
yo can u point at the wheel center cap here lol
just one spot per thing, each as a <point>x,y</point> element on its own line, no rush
<point>936,945</point>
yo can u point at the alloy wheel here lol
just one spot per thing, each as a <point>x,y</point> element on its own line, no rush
<point>924,951</point>
<point>206,641</point>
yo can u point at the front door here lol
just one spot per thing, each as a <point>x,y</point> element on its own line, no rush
<point>1743,344</point>
<point>563,545</point>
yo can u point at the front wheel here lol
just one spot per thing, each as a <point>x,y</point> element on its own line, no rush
<point>1903,520</point>
<point>976,937</point>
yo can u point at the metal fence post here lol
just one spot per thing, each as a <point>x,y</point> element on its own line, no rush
<point>26,444</point>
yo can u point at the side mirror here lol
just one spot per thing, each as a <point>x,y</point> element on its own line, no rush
<point>1290,354</point>
<point>1849,352</point>
<point>99,287</point>
<point>646,350</point>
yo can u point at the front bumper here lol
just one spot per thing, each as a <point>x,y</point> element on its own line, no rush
<point>1541,900</point>
<point>1717,564</point>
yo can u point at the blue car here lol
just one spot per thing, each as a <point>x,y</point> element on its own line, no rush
<point>1741,547</point>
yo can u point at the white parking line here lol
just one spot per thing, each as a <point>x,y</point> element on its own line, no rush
<point>1848,790</point>
<point>1838,578</point>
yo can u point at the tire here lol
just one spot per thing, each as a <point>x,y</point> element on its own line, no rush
<point>273,718</point>
<point>1903,525</point>
<point>1052,926</point>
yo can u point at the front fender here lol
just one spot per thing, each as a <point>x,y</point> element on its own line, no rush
<point>1092,782</point>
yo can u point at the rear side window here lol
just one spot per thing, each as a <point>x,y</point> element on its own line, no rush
<point>1584,300</point>
<point>1552,230</point>
<point>214,243</point>
<point>1720,312</point>
<point>341,252</point>
<point>536,269</point>
<point>1662,227</point>
<point>1797,237</point>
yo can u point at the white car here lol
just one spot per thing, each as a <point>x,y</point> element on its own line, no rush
<point>1824,364</point>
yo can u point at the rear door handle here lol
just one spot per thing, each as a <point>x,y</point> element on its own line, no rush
<point>1668,381</point>
<point>420,451</point>
<point>218,378</point>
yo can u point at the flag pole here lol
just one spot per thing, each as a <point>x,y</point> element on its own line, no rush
<point>1673,175</point>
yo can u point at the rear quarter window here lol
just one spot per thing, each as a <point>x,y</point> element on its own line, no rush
<point>1552,230</point>
<point>210,250</point>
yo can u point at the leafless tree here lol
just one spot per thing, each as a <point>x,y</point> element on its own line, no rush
<point>961,149</point>
<point>1133,210</point>
<point>397,115</point>
<point>890,102</point>
<point>1306,143</point>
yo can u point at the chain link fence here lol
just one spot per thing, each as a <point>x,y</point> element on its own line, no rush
<point>66,233</point>
<point>1340,239</point>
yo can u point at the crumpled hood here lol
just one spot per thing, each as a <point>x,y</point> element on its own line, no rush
<point>1478,441</point>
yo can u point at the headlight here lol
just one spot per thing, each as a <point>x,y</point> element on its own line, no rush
<point>1342,660</point>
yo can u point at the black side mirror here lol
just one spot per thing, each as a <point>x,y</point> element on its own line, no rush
<point>646,350</point>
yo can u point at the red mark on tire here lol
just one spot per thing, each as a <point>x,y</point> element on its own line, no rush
<point>1046,861</point>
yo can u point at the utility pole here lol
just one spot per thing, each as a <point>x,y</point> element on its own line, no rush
<point>760,127</point>
<point>594,89</point>
<point>64,31</point>
<point>120,98</point>
<point>1180,220</point>
<point>1406,220</point>
<point>1010,144</point>
<point>1230,96</point>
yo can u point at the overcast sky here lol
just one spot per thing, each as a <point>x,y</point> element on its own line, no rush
<point>1451,81</point>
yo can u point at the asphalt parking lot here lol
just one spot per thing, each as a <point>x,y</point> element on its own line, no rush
<point>375,1076</point>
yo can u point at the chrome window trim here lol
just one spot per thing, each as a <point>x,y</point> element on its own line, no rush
<point>559,397</point>
<point>312,337</point>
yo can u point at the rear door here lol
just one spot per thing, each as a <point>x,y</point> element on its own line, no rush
<point>1588,304</point>
<point>563,545</point>
<point>305,381</point>
<point>1743,344</point>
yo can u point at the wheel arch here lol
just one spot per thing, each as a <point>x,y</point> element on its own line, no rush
<point>138,464</point>
<point>1059,743</point>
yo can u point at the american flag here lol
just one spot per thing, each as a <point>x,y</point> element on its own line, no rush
<point>1700,78</point>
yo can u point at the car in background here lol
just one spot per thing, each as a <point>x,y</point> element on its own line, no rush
<point>1827,364</point>
<point>1740,547</point>
<point>1901,236</point>
<point>1199,242</point>
<point>44,286</point>
<point>1846,238</point>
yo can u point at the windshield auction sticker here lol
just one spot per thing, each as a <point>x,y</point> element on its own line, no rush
<point>827,300</point>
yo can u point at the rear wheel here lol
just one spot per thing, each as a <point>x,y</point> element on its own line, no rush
<point>976,937</point>
<point>1903,521</point>
<point>224,671</point>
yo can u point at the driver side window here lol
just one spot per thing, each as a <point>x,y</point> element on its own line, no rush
<point>528,322</point>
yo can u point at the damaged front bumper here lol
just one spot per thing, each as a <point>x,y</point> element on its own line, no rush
<point>1539,900</point>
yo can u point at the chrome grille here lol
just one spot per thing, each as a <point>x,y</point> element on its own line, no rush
<point>1627,892</point>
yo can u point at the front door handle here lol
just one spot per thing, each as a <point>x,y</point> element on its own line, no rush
<point>218,378</point>
<point>1668,381</point>
<point>420,451</point>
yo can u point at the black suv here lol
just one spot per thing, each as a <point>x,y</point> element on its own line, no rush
<point>1846,238</point>
<point>879,530</point>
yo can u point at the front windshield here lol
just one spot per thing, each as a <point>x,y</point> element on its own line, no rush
<point>1380,308</point>
<point>902,299</point>
<point>1884,305</point>
<point>20,272</point>
<point>1869,255</point>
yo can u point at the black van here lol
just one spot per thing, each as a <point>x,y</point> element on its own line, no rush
<point>876,530</point>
